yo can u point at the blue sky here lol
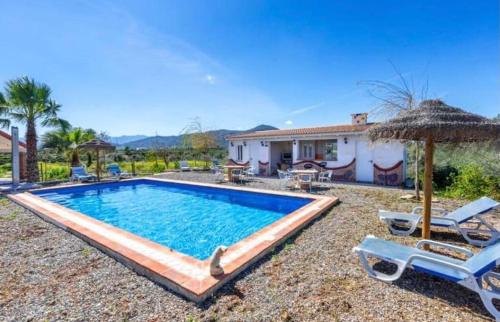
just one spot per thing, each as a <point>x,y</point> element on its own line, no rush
<point>141,67</point>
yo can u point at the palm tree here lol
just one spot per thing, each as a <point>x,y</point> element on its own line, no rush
<point>67,140</point>
<point>3,111</point>
<point>29,102</point>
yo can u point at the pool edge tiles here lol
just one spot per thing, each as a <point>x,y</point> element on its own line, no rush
<point>178,272</point>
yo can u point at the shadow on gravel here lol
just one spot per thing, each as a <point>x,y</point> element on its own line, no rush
<point>451,293</point>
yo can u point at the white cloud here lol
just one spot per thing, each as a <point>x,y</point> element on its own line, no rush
<point>210,79</point>
<point>306,109</point>
<point>289,122</point>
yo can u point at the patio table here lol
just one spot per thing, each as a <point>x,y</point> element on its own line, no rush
<point>312,172</point>
<point>297,172</point>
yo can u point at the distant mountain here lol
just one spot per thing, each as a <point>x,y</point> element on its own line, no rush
<point>119,140</point>
<point>147,142</point>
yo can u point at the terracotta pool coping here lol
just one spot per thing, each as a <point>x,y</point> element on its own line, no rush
<point>181,273</point>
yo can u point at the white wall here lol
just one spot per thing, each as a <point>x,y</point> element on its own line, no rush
<point>386,154</point>
<point>254,152</point>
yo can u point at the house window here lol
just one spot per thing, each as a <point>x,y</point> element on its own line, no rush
<point>306,150</point>
<point>240,152</point>
<point>331,150</point>
<point>326,150</point>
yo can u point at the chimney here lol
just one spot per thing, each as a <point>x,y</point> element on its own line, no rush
<point>359,118</point>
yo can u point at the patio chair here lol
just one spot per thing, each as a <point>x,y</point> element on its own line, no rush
<point>305,180</point>
<point>184,166</point>
<point>284,178</point>
<point>475,273</point>
<point>325,176</point>
<point>80,175</point>
<point>470,214</point>
<point>218,173</point>
<point>237,175</point>
<point>115,171</point>
<point>250,173</point>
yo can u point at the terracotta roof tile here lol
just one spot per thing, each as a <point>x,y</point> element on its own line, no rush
<point>348,128</point>
<point>9,137</point>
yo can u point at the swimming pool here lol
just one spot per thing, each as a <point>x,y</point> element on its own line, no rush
<point>193,220</point>
<point>166,229</point>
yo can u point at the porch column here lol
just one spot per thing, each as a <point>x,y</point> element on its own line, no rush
<point>15,155</point>
<point>295,150</point>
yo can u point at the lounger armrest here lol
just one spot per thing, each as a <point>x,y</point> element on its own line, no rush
<point>457,225</point>
<point>457,249</point>
<point>438,261</point>
<point>418,209</point>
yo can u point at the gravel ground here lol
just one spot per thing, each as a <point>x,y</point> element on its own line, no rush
<point>48,274</point>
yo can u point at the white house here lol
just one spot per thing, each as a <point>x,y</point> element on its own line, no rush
<point>345,149</point>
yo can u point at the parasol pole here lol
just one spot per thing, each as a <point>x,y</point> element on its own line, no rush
<point>429,156</point>
<point>98,169</point>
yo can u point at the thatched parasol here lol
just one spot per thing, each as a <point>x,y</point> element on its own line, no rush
<point>97,145</point>
<point>434,122</point>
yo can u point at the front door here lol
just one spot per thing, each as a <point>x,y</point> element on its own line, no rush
<point>364,161</point>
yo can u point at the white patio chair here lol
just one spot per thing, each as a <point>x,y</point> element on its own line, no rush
<point>305,180</point>
<point>218,173</point>
<point>325,176</point>
<point>284,178</point>
<point>250,173</point>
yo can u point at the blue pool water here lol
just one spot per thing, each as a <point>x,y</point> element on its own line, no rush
<point>193,220</point>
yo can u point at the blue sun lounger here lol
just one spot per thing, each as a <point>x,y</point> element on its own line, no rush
<point>115,171</point>
<point>475,273</point>
<point>184,166</point>
<point>470,213</point>
<point>79,174</point>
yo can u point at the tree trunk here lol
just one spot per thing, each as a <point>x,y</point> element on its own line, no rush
<point>75,158</point>
<point>31,153</point>
<point>417,157</point>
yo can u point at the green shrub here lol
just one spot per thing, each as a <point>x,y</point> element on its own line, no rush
<point>5,169</point>
<point>57,172</point>
<point>471,182</point>
<point>442,176</point>
<point>157,168</point>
